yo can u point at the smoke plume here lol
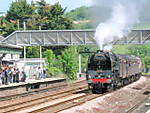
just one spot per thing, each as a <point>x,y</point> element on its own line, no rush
<point>124,14</point>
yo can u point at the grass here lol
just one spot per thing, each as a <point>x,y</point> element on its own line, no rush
<point>121,49</point>
<point>142,26</point>
<point>145,73</point>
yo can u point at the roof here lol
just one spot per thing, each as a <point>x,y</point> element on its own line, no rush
<point>4,45</point>
<point>1,38</point>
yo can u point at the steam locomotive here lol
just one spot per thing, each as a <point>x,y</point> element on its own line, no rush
<point>107,71</point>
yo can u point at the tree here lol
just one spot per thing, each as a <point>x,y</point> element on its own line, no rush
<point>147,63</point>
<point>51,17</point>
<point>6,27</point>
<point>33,52</point>
<point>20,10</point>
<point>51,63</point>
<point>69,61</point>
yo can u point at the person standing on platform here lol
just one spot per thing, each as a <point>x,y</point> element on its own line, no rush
<point>6,76</point>
<point>39,73</point>
<point>44,73</point>
<point>11,75</point>
<point>23,75</point>
<point>1,76</point>
<point>17,75</point>
<point>14,75</point>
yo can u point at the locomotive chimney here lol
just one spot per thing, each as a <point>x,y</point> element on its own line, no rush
<point>99,51</point>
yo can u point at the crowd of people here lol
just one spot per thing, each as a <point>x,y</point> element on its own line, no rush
<point>11,75</point>
<point>41,73</point>
<point>15,75</point>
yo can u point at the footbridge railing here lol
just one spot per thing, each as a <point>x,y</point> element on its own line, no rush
<point>70,37</point>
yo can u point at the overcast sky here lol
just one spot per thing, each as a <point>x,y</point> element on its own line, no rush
<point>70,4</point>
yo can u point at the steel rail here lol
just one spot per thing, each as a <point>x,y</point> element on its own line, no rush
<point>57,85</point>
<point>13,106</point>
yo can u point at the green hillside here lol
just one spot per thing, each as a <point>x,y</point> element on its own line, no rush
<point>77,14</point>
<point>145,25</point>
<point>80,17</point>
<point>95,15</point>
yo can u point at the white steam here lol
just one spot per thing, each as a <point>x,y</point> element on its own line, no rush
<point>124,16</point>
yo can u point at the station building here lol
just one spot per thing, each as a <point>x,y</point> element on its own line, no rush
<point>10,56</point>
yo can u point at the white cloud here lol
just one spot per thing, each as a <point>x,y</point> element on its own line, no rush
<point>89,2</point>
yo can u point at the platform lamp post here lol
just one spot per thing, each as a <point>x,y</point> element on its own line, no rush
<point>24,28</point>
<point>24,23</point>
<point>3,55</point>
<point>40,47</point>
<point>18,24</point>
<point>85,51</point>
<point>79,59</point>
<point>40,28</point>
<point>40,56</point>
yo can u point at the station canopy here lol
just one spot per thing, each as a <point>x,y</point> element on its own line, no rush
<point>9,48</point>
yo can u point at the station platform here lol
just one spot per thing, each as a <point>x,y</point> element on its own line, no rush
<point>28,85</point>
<point>33,81</point>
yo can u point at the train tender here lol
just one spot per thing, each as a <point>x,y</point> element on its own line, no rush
<point>106,70</point>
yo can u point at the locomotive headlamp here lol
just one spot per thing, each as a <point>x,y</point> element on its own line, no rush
<point>108,76</point>
<point>89,76</point>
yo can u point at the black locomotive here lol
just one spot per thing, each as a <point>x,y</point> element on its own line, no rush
<point>106,71</point>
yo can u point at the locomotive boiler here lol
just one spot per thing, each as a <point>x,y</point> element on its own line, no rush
<point>107,71</point>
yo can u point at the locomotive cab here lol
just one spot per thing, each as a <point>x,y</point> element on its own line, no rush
<point>99,61</point>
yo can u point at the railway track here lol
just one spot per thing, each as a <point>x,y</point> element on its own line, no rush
<point>41,90</point>
<point>64,103</point>
<point>56,103</point>
<point>13,96</point>
<point>136,106</point>
<point>142,100</point>
<point>26,104</point>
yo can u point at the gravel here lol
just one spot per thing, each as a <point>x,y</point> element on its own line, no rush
<point>118,101</point>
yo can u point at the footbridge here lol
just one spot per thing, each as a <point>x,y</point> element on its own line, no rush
<point>70,37</point>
